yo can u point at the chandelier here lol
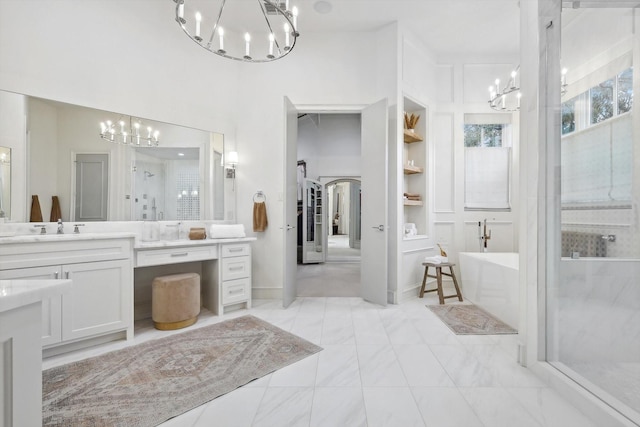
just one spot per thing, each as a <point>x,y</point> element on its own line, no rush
<point>507,98</point>
<point>233,29</point>
<point>132,133</point>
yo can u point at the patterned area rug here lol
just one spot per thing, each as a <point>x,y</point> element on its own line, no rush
<point>468,319</point>
<point>149,383</point>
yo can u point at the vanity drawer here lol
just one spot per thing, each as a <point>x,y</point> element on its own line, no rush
<point>233,250</point>
<point>234,291</point>
<point>236,268</point>
<point>175,255</point>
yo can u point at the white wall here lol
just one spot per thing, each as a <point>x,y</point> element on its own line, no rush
<point>330,144</point>
<point>43,157</point>
<point>13,109</point>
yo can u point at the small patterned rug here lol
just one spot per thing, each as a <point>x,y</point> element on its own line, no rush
<point>149,383</point>
<point>469,319</point>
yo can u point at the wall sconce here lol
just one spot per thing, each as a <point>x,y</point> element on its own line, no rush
<point>232,161</point>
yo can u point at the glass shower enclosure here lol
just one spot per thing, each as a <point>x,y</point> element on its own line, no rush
<point>593,295</point>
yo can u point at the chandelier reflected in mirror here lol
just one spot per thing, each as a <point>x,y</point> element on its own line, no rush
<point>129,132</point>
<point>244,30</point>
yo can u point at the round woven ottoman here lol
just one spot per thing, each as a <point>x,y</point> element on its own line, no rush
<point>175,301</point>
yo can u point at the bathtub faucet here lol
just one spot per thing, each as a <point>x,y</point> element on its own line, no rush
<point>483,236</point>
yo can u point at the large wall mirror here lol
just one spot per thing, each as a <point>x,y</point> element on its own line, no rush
<point>5,182</point>
<point>94,179</point>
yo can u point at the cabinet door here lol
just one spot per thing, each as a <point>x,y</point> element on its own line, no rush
<point>100,301</point>
<point>51,307</point>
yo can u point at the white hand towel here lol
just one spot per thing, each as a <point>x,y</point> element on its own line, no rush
<point>226,231</point>
<point>436,259</point>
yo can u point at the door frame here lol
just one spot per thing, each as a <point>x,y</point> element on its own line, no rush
<point>326,182</point>
<point>311,109</point>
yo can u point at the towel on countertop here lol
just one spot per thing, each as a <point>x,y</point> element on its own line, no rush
<point>226,231</point>
<point>36,212</point>
<point>437,259</point>
<point>260,221</point>
<point>56,214</point>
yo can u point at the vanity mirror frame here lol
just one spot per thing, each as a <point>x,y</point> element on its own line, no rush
<point>121,160</point>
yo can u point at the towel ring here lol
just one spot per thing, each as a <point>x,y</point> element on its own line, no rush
<point>259,195</point>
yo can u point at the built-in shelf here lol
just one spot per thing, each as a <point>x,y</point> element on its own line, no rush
<point>410,136</point>
<point>412,202</point>
<point>409,170</point>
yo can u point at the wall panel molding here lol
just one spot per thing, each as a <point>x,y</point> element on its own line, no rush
<point>443,163</point>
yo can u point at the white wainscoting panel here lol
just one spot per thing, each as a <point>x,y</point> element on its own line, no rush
<point>502,238</point>
<point>443,163</point>
<point>444,76</point>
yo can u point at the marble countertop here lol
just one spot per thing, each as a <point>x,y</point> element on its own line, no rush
<point>18,293</point>
<point>157,244</point>
<point>33,238</point>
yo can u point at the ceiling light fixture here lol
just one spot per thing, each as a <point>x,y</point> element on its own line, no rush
<point>234,30</point>
<point>322,6</point>
<point>508,99</point>
<point>135,134</point>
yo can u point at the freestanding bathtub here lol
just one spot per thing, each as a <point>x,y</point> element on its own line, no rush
<point>490,281</point>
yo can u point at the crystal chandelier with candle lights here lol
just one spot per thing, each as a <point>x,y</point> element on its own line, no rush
<point>131,132</point>
<point>240,29</point>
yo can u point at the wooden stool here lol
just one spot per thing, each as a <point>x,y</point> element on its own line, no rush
<point>438,277</point>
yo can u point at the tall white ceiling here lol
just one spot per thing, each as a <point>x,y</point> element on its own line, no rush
<point>483,27</point>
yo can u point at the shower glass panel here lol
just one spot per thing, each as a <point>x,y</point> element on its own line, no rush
<point>593,301</point>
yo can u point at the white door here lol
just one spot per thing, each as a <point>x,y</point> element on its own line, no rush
<point>374,152</point>
<point>290,203</point>
<point>91,187</point>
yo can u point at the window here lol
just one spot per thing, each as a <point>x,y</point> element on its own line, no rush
<point>568,116</point>
<point>483,135</point>
<point>597,161</point>
<point>625,91</point>
<point>604,101</point>
<point>487,162</point>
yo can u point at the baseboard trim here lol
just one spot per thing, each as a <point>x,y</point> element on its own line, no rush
<point>266,293</point>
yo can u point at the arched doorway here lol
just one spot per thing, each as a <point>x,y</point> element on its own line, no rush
<point>343,219</point>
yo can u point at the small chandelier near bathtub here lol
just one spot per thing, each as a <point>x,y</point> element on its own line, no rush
<point>508,99</point>
<point>129,132</point>
<point>261,33</point>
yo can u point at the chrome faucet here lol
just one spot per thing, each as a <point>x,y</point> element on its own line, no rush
<point>60,226</point>
<point>483,236</point>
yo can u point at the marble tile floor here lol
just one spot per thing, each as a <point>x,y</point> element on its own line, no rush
<point>338,249</point>
<point>381,366</point>
<point>329,279</point>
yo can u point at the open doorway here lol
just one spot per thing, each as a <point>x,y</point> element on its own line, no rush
<point>329,161</point>
<point>343,215</point>
<point>371,283</point>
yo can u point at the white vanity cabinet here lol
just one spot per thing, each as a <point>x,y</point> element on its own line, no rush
<point>235,275</point>
<point>101,297</point>
<point>225,267</point>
